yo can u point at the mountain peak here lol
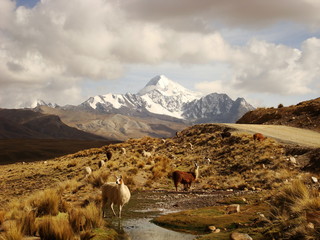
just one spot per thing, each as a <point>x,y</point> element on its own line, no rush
<point>167,87</point>
<point>159,80</point>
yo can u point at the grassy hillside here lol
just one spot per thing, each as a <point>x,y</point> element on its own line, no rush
<point>237,163</point>
<point>303,115</point>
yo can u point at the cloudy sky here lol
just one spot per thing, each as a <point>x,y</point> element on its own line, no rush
<point>65,51</point>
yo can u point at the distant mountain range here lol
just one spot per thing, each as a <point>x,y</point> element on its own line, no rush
<point>165,98</point>
<point>160,109</point>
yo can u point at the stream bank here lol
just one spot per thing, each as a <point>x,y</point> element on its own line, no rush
<point>146,205</point>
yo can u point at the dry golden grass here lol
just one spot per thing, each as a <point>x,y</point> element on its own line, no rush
<point>13,233</point>
<point>295,206</point>
<point>236,162</point>
<point>2,216</point>
<point>69,185</point>
<point>93,217</point>
<point>27,223</point>
<point>55,228</point>
<point>45,202</point>
<point>161,167</point>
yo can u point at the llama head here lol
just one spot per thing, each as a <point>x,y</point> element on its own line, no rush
<point>119,180</point>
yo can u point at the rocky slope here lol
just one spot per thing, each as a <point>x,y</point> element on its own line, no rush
<point>303,115</point>
<point>117,126</point>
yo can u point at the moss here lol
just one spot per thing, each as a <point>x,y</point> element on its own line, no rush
<point>105,234</point>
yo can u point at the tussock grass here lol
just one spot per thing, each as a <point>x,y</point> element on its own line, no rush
<point>69,185</point>
<point>294,208</point>
<point>161,167</point>
<point>98,178</point>
<point>27,223</point>
<point>45,202</point>
<point>13,233</point>
<point>85,219</point>
<point>93,217</point>
<point>55,228</point>
<point>2,216</point>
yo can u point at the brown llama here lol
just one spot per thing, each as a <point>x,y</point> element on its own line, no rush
<point>186,178</point>
<point>259,137</point>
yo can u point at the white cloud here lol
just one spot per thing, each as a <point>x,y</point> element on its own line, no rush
<point>46,51</point>
<point>235,13</point>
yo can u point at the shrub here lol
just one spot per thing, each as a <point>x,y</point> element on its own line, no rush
<point>133,171</point>
<point>280,105</point>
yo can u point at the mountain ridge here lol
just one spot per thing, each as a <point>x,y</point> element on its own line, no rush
<point>160,109</point>
<point>163,96</point>
<point>28,124</point>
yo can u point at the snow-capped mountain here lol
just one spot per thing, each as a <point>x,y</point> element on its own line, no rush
<point>37,103</point>
<point>165,97</point>
<point>216,108</point>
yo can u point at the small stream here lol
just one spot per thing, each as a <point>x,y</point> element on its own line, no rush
<point>144,206</point>
<point>137,215</point>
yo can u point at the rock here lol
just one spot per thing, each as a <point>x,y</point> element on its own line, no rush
<point>217,230</point>
<point>310,225</point>
<point>293,160</point>
<point>240,236</point>
<point>233,208</point>
<point>212,228</point>
<point>314,179</point>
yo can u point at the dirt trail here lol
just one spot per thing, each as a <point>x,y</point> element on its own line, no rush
<point>282,133</point>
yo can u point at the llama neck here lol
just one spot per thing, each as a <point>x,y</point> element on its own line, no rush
<point>196,172</point>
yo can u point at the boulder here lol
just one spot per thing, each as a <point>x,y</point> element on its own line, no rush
<point>314,179</point>
<point>233,208</point>
<point>293,160</point>
<point>240,236</point>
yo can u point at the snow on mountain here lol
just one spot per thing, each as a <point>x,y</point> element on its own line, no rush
<point>163,96</point>
<point>37,103</point>
<point>169,88</point>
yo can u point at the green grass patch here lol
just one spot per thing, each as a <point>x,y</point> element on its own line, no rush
<point>198,220</point>
<point>105,234</point>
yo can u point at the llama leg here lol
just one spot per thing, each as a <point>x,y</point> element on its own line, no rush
<point>103,207</point>
<point>111,206</point>
<point>176,185</point>
<point>120,208</point>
